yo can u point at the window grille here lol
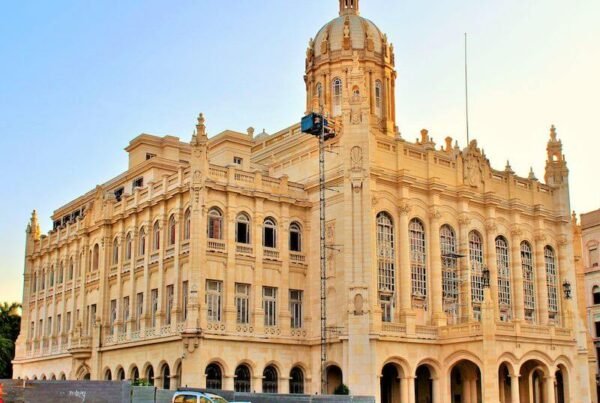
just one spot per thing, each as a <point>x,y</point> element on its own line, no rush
<point>172,230</point>
<point>270,306</point>
<point>242,229</point>
<point>156,236</point>
<point>213,300</point>
<point>270,380</point>
<point>214,378</point>
<point>115,257</point>
<point>215,224</point>
<point>295,238</point>
<point>296,381</point>
<point>154,308</point>
<point>125,313</point>
<point>337,97</point>
<point>128,247</point>
<point>504,288</point>
<point>386,307</point>
<point>168,313</point>
<point>552,282</point>
<point>449,271</point>
<point>242,382</point>
<point>139,310</point>
<point>296,308</point>
<point>242,303</point>
<point>113,315</point>
<point>187,224</point>
<point>142,245</point>
<point>385,253</point>
<point>528,281</point>
<point>269,233</point>
<point>418,259</point>
<point>476,259</point>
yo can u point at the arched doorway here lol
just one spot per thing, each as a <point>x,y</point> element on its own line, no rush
<point>63,377</point>
<point>214,377</point>
<point>270,379</point>
<point>120,374</point>
<point>165,377</point>
<point>243,381</point>
<point>297,381</point>
<point>389,383</point>
<point>504,384</point>
<point>107,375</point>
<point>334,378</point>
<point>178,373</point>
<point>135,374</point>
<point>150,375</point>
<point>83,374</point>
<point>562,391</point>
<point>532,385</point>
<point>423,385</point>
<point>465,383</point>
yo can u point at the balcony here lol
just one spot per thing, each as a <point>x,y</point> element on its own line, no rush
<point>244,249</point>
<point>154,257</point>
<point>81,348</point>
<point>170,252</point>
<point>297,258</point>
<point>92,276</point>
<point>271,254</point>
<point>185,247</point>
<point>216,245</point>
<point>126,268</point>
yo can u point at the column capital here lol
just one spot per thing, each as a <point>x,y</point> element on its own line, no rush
<point>491,226</point>
<point>434,213</point>
<point>464,219</point>
<point>404,208</point>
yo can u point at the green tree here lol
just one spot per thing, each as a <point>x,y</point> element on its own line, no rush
<point>10,323</point>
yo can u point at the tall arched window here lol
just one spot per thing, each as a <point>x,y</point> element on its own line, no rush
<point>187,224</point>
<point>477,281</point>
<point>378,98</point>
<point>551,282</point>
<point>386,268</point>
<point>150,375</point>
<point>115,255</point>
<point>43,279</point>
<point>418,255</point>
<point>243,381</point>
<point>297,381</point>
<point>269,233</point>
<point>156,236</point>
<point>61,272</point>
<point>34,282</point>
<point>295,237</point>
<point>214,377</point>
<point>242,229</point>
<point>96,257</point>
<point>71,270</point>
<point>128,247</point>
<point>449,272</point>
<point>172,230</point>
<point>142,241</point>
<point>165,376</point>
<point>504,290</point>
<point>337,96</point>
<point>215,223</point>
<point>270,380</point>
<point>528,281</point>
<point>51,276</point>
<point>319,93</point>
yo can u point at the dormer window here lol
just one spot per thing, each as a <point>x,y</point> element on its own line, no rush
<point>138,183</point>
<point>119,193</point>
<point>238,160</point>
<point>149,156</point>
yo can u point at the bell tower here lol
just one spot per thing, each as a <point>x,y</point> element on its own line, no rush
<point>349,7</point>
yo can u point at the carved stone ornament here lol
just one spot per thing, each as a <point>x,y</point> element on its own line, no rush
<point>474,163</point>
<point>464,219</point>
<point>516,231</point>
<point>197,176</point>
<point>325,43</point>
<point>490,226</point>
<point>404,208</point>
<point>563,240</point>
<point>540,237</point>
<point>434,213</point>
<point>358,304</point>
<point>356,157</point>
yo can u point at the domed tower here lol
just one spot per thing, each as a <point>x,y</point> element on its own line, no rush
<point>351,59</point>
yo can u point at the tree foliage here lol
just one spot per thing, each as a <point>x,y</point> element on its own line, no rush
<point>10,323</point>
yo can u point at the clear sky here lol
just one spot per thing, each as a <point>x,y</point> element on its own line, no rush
<point>79,79</point>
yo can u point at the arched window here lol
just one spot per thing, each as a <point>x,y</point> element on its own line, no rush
<point>337,96</point>
<point>128,247</point>
<point>295,237</point>
<point>477,280</point>
<point>142,241</point>
<point>270,380</point>
<point>71,269</point>
<point>269,233</point>
<point>156,236</point>
<point>296,381</point>
<point>214,377</point>
<point>449,272</point>
<point>551,282</point>
<point>95,257</point>
<point>242,229</point>
<point>319,93</point>
<point>172,230</point>
<point>43,279</point>
<point>34,282</point>
<point>242,382</point>
<point>187,224</point>
<point>215,224</point>
<point>108,375</point>
<point>386,265</point>
<point>135,374</point>
<point>378,98</point>
<point>61,272</point>
<point>115,255</point>
<point>418,255</point>
<point>51,276</point>
<point>165,376</point>
<point>504,293</point>
<point>596,295</point>
<point>150,375</point>
<point>528,281</point>
<point>121,374</point>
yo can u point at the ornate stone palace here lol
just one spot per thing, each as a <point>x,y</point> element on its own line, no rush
<point>447,280</point>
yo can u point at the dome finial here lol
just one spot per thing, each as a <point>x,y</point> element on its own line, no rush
<point>348,7</point>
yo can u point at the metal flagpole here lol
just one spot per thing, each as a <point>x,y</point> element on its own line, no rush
<point>466,90</point>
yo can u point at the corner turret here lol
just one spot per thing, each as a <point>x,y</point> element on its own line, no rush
<point>556,165</point>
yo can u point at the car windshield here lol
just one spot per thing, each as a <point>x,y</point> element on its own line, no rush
<point>219,399</point>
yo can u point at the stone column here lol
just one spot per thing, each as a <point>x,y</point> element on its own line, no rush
<point>406,313</point>
<point>517,272</point>
<point>175,309</point>
<point>439,318</point>
<point>229,236</point>
<point>541,280</point>
<point>550,392</point>
<point>514,389</point>
<point>464,269</point>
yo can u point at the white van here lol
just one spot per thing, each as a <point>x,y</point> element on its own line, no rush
<point>198,397</point>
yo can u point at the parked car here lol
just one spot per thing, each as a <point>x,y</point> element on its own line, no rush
<point>198,397</point>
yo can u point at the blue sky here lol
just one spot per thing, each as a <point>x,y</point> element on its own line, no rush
<point>78,80</point>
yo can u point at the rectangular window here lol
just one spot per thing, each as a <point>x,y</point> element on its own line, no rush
<point>296,308</point>
<point>594,257</point>
<point>270,306</point>
<point>119,193</point>
<point>113,315</point>
<point>238,160</point>
<point>597,329</point>
<point>40,329</point>
<point>242,303</point>
<point>68,325</point>
<point>154,308</point>
<point>58,324</point>
<point>184,299</point>
<point>242,232</point>
<point>49,327</point>
<point>138,183</point>
<point>125,313</point>
<point>386,307</point>
<point>170,291</point>
<point>213,300</point>
<point>31,330</point>
<point>139,311</point>
<point>149,156</point>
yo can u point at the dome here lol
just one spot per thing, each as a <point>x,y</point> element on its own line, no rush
<point>363,33</point>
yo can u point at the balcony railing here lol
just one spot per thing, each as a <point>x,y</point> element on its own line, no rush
<point>216,245</point>
<point>271,254</point>
<point>297,258</point>
<point>244,249</point>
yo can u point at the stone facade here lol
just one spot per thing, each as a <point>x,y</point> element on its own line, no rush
<point>199,265</point>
